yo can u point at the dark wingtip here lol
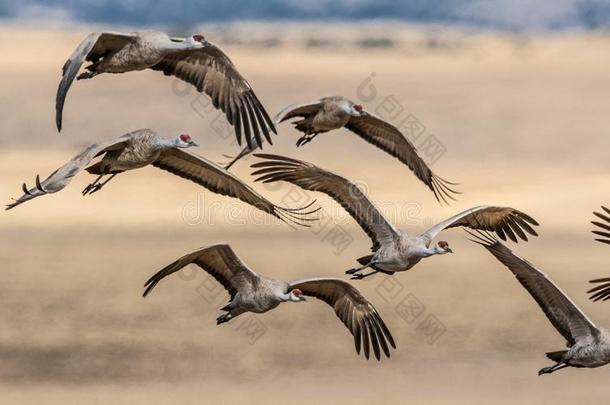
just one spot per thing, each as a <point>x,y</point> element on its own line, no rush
<point>150,284</point>
<point>58,118</point>
<point>442,190</point>
<point>483,238</point>
<point>38,185</point>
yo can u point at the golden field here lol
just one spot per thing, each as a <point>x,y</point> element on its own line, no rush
<point>523,123</point>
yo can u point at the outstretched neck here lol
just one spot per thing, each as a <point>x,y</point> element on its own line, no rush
<point>165,143</point>
<point>427,252</point>
<point>183,45</point>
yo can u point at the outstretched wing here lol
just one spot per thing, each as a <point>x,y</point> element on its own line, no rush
<point>604,226</point>
<point>313,178</point>
<point>565,316</point>
<point>220,261</point>
<point>389,139</point>
<point>211,71</point>
<point>213,177</point>
<point>294,110</point>
<point>501,220</point>
<point>93,47</point>
<point>354,310</point>
<point>304,110</point>
<point>62,176</point>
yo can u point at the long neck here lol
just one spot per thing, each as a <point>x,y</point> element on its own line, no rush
<point>181,46</point>
<point>165,143</point>
<point>428,251</point>
<point>284,297</point>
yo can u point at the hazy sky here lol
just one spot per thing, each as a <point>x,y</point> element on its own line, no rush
<point>495,14</point>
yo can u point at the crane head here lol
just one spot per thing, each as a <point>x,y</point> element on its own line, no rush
<point>443,247</point>
<point>198,38</point>
<point>185,141</point>
<point>296,295</point>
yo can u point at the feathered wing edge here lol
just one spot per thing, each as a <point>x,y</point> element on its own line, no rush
<point>601,292</point>
<point>565,316</point>
<point>604,227</point>
<point>357,314</point>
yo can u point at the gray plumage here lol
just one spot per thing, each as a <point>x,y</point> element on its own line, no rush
<point>251,292</point>
<point>588,345</point>
<point>330,113</point>
<point>145,147</point>
<point>193,60</point>
<point>393,249</point>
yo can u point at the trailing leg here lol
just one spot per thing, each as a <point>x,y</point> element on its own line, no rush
<point>226,317</point>
<point>360,276</point>
<point>549,370</point>
<point>93,184</point>
<point>99,186</point>
<point>306,139</point>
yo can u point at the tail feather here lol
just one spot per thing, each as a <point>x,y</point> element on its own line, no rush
<point>365,259</point>
<point>95,168</point>
<point>556,356</point>
<point>305,126</point>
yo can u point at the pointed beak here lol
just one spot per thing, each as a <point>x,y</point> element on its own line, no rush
<point>303,298</point>
<point>192,143</point>
<point>449,250</point>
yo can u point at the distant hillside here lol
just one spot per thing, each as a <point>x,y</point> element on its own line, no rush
<point>509,15</point>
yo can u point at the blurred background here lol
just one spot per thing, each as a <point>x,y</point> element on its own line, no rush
<point>508,98</point>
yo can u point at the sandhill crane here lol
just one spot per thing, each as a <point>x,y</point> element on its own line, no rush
<point>588,345</point>
<point>331,113</point>
<point>251,292</point>
<point>602,290</point>
<point>193,59</point>
<point>393,250</point>
<point>145,147</point>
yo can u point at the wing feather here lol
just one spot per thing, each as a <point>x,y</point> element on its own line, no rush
<point>501,220</point>
<point>213,177</point>
<point>304,110</point>
<point>561,311</point>
<point>389,139</point>
<point>347,194</point>
<point>602,290</point>
<point>61,177</point>
<point>604,226</point>
<point>220,261</point>
<point>95,46</point>
<point>354,310</point>
<point>211,71</point>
